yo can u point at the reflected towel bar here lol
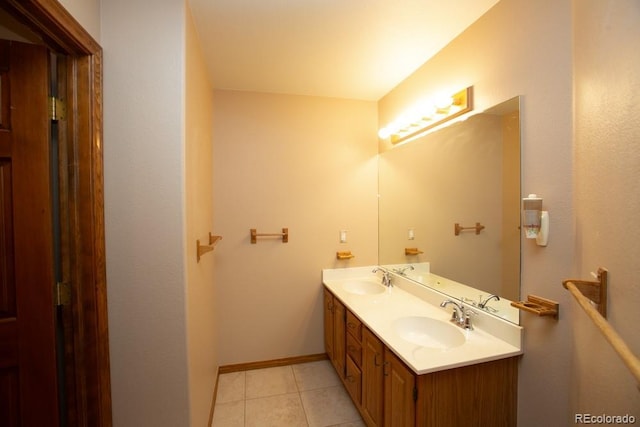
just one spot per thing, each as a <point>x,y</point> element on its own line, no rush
<point>255,235</point>
<point>457,228</point>
<point>584,292</point>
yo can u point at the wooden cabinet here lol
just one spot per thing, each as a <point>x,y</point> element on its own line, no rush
<point>328,323</point>
<point>339,337</point>
<point>372,378</point>
<point>353,381</point>
<point>389,394</point>
<point>485,393</point>
<point>354,358</point>
<point>335,332</point>
<point>400,392</point>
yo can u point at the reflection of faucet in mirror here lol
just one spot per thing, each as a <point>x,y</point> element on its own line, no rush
<point>401,270</point>
<point>386,276</point>
<point>466,172</point>
<point>483,304</point>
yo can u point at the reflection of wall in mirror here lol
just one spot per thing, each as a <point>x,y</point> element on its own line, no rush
<point>455,175</point>
<point>511,210</point>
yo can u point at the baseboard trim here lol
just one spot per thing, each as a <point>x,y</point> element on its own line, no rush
<point>271,363</point>
<point>214,397</point>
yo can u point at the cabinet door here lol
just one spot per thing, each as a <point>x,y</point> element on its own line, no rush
<point>353,381</point>
<point>399,392</point>
<point>339,337</point>
<point>328,323</point>
<point>486,393</point>
<point>354,326</point>
<point>354,350</point>
<point>372,378</point>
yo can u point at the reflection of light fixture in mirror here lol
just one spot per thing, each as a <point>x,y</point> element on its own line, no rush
<point>535,220</point>
<point>427,115</point>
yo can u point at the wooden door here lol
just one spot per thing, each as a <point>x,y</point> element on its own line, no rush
<point>372,378</point>
<point>28,377</point>
<point>399,392</point>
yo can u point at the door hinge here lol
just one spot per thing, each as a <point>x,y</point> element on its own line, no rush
<point>57,109</point>
<point>63,294</point>
<point>415,394</point>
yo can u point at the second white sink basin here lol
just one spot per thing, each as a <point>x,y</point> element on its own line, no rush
<point>429,332</point>
<point>363,286</point>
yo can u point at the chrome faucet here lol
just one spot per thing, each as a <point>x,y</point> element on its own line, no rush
<point>386,276</point>
<point>483,304</point>
<point>401,270</point>
<point>460,315</point>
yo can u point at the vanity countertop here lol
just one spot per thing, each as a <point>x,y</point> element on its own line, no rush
<point>491,339</point>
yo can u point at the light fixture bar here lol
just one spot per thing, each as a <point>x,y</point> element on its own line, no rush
<point>427,116</point>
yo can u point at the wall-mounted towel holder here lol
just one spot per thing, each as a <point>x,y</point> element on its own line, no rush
<point>457,228</point>
<point>538,305</point>
<point>255,235</point>
<point>203,249</point>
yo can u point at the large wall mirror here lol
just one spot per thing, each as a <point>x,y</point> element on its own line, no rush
<point>465,173</point>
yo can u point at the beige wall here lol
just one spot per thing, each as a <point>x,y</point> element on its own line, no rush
<point>87,13</point>
<point>607,166</point>
<point>144,159</point>
<point>524,48</point>
<point>201,298</point>
<point>305,163</point>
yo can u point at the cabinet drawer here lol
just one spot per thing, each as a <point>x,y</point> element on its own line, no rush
<point>353,381</point>
<point>354,326</point>
<point>354,350</point>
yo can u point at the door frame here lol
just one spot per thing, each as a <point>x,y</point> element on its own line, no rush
<point>85,253</point>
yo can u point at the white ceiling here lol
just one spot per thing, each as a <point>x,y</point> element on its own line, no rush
<point>356,49</point>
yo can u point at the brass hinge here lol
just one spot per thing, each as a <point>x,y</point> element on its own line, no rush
<point>57,109</point>
<point>63,294</point>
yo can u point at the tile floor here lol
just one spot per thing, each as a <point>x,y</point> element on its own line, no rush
<point>304,395</point>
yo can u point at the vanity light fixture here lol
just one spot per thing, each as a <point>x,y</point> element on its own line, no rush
<point>426,115</point>
<point>535,220</point>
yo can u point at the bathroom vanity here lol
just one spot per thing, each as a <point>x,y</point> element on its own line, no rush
<point>405,364</point>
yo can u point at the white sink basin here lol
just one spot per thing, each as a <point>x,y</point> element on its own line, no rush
<point>363,286</point>
<point>429,332</point>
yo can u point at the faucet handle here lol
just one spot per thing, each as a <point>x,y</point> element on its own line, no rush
<point>467,319</point>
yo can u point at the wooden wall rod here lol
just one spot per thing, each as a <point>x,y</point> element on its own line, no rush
<point>596,291</point>
<point>618,344</point>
